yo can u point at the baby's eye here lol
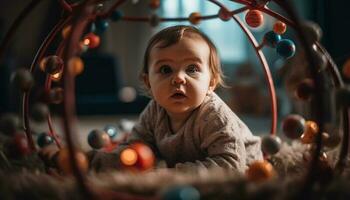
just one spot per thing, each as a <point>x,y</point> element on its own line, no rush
<point>192,69</point>
<point>165,69</point>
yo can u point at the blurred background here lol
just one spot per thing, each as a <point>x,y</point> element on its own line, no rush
<point>109,89</point>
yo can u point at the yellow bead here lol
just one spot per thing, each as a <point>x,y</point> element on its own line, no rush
<point>75,65</point>
<point>310,132</point>
<point>195,18</point>
<point>260,171</point>
<point>279,27</point>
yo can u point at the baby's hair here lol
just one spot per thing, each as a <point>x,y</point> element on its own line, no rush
<point>172,35</point>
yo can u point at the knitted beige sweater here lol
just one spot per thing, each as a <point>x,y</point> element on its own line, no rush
<point>212,136</point>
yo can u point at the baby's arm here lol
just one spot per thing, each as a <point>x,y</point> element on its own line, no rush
<point>227,144</point>
<point>141,132</point>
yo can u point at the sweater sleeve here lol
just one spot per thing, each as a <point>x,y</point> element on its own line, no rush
<point>223,145</point>
<point>141,132</point>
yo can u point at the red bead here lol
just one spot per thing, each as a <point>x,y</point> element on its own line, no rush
<point>91,40</point>
<point>51,64</point>
<point>254,18</point>
<point>224,14</point>
<point>279,27</point>
<point>195,18</point>
<point>137,157</point>
<point>346,69</point>
<point>154,4</point>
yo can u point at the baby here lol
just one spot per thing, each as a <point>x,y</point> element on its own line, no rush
<point>186,124</point>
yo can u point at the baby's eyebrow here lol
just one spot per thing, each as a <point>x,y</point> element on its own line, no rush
<point>162,61</point>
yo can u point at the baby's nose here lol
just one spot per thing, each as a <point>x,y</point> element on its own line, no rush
<point>179,78</point>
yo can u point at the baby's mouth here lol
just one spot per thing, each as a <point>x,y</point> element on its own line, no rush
<point>178,95</point>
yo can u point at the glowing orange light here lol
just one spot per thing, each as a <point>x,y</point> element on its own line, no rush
<point>86,41</point>
<point>128,157</point>
<point>57,76</point>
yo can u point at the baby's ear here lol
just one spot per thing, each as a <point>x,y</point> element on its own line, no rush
<point>212,84</point>
<point>146,80</point>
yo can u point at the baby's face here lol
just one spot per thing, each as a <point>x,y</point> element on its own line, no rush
<point>179,76</point>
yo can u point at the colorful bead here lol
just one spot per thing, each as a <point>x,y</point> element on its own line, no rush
<point>116,15</point>
<point>23,79</point>
<point>224,14</point>
<point>285,48</point>
<point>98,139</point>
<point>254,18</point>
<point>271,39</point>
<point>137,157</point>
<point>9,123</point>
<point>75,65</point>
<point>260,171</point>
<point>55,95</point>
<point>91,40</point>
<point>183,192</point>
<point>51,64</point>
<point>63,161</point>
<point>39,112</point>
<point>270,144</point>
<point>44,139</point>
<point>20,143</point>
<point>305,89</point>
<point>331,141</point>
<point>346,69</point>
<point>309,135</point>
<point>293,126</point>
<point>279,27</point>
<point>66,31</point>
<point>154,4</point>
<point>111,131</point>
<point>195,18</point>
<point>128,157</point>
<point>312,30</point>
<point>101,25</point>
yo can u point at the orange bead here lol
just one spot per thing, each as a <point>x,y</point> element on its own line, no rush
<point>128,157</point>
<point>154,4</point>
<point>63,161</point>
<point>91,40</point>
<point>260,171</point>
<point>195,18</point>
<point>137,157</point>
<point>75,65</point>
<point>279,27</point>
<point>254,18</point>
<point>310,132</point>
<point>346,69</point>
<point>65,31</point>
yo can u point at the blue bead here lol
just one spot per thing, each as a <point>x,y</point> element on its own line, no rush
<point>116,15</point>
<point>181,193</point>
<point>101,25</point>
<point>285,48</point>
<point>111,131</point>
<point>44,139</point>
<point>271,38</point>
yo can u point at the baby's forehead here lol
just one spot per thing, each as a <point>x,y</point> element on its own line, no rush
<point>172,39</point>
